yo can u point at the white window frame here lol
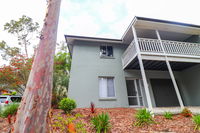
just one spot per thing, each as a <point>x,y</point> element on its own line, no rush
<point>107,97</point>
<point>137,95</point>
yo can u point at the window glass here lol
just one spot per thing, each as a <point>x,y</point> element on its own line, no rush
<point>3,99</point>
<point>106,87</point>
<point>132,101</point>
<point>16,99</point>
<point>110,86</point>
<point>103,50</point>
<point>102,87</point>
<point>131,88</point>
<point>106,51</point>
<point>110,51</point>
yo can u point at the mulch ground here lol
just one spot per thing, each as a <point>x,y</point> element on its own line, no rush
<point>122,122</point>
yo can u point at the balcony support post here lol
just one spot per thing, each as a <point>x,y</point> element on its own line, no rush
<point>149,102</point>
<point>171,72</point>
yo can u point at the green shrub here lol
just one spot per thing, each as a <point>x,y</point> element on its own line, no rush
<point>196,120</point>
<point>67,105</point>
<point>186,112</point>
<point>143,117</point>
<point>101,122</point>
<point>9,109</point>
<point>168,115</point>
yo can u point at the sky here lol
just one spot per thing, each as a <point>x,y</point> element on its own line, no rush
<point>97,18</point>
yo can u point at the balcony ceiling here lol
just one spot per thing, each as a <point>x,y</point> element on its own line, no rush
<point>160,65</point>
<point>165,35</point>
<point>168,26</point>
<point>169,30</point>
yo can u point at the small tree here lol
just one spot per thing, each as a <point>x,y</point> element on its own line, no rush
<point>23,29</point>
<point>15,75</point>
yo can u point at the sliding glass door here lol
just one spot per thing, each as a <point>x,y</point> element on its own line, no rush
<point>134,92</point>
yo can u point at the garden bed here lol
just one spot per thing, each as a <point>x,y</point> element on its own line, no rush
<point>122,122</point>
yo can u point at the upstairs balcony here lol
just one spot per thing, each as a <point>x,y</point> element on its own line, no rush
<point>151,49</point>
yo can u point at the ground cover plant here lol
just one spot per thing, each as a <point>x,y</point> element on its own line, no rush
<point>196,120</point>
<point>186,112</point>
<point>168,115</point>
<point>101,123</point>
<point>143,117</point>
<point>68,124</point>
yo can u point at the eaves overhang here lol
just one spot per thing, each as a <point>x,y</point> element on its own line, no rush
<point>70,39</point>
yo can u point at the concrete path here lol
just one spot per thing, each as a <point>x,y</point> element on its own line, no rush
<point>175,110</point>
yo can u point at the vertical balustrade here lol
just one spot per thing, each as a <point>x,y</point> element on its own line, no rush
<point>170,47</point>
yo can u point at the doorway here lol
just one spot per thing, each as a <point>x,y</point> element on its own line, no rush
<point>164,93</point>
<point>135,96</point>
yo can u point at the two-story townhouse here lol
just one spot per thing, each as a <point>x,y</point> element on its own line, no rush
<point>154,64</point>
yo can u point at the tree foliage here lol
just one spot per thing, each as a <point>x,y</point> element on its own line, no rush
<point>15,75</point>
<point>62,65</point>
<point>8,52</point>
<point>23,29</point>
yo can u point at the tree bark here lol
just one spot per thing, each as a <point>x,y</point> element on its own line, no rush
<point>36,101</point>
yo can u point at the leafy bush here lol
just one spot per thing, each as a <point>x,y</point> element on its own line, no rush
<point>196,120</point>
<point>10,109</point>
<point>186,112</point>
<point>168,115</point>
<point>67,105</point>
<point>101,122</point>
<point>143,117</point>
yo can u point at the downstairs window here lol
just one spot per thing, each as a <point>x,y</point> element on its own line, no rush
<point>106,87</point>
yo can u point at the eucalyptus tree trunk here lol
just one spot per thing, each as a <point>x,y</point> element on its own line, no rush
<point>36,101</point>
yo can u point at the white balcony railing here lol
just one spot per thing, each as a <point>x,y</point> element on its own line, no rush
<point>170,47</point>
<point>129,53</point>
<point>153,46</point>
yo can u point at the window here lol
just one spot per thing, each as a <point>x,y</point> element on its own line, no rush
<point>3,99</point>
<point>106,87</point>
<point>16,99</point>
<point>106,51</point>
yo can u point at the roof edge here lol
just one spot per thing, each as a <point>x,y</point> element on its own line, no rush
<point>157,20</point>
<point>168,21</point>
<point>92,38</point>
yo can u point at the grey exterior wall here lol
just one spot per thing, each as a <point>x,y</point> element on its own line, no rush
<point>190,88</point>
<point>87,66</point>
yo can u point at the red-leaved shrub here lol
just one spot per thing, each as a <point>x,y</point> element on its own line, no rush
<point>92,107</point>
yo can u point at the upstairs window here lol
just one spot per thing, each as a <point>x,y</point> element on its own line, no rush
<point>106,87</point>
<point>106,51</point>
